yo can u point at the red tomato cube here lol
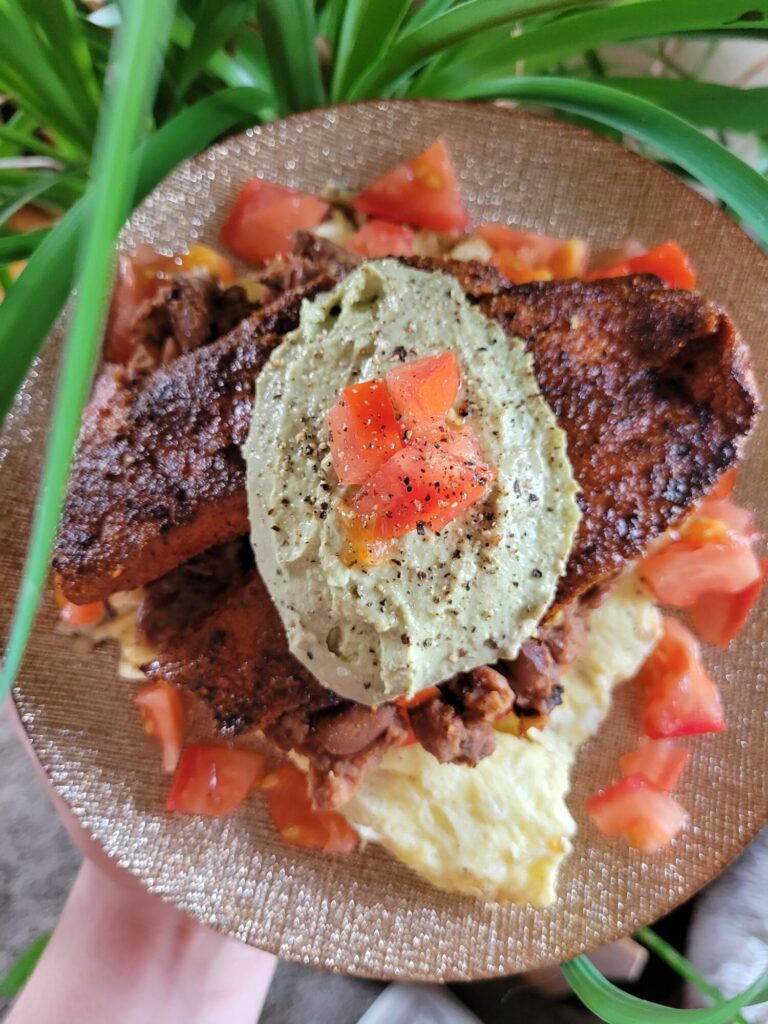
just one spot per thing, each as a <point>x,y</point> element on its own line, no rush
<point>265,217</point>
<point>684,571</point>
<point>647,818</point>
<point>297,821</point>
<point>214,780</point>
<point>667,261</point>
<point>660,762</point>
<point>162,713</point>
<point>682,699</point>
<point>420,485</point>
<point>380,238</point>
<point>424,191</point>
<point>364,431</point>
<point>424,390</point>
<point>718,618</point>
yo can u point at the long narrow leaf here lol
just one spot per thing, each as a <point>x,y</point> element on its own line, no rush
<point>703,103</point>
<point>31,306</point>
<point>33,187</point>
<point>428,10</point>
<point>489,55</point>
<point>288,29</point>
<point>367,30</point>
<point>739,185</point>
<point>329,21</point>
<point>139,44</point>
<point>416,45</point>
<point>67,50</point>
<point>19,245</point>
<point>613,1006</point>
<point>215,22</point>
<point>29,141</point>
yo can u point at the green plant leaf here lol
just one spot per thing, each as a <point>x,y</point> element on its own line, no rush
<point>428,10</point>
<point>17,245</point>
<point>288,30</point>
<point>329,21</point>
<point>723,107</point>
<point>31,306</point>
<point>138,47</point>
<point>416,45</point>
<point>489,55</point>
<point>739,185</point>
<point>215,21</point>
<point>28,140</point>
<point>33,186</point>
<point>367,29</point>
<point>684,967</point>
<point>19,972</point>
<point>613,1006</point>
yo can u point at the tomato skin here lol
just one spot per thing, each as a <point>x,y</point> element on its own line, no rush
<point>646,817</point>
<point>264,218</point>
<point>381,238</point>
<point>162,714</point>
<point>425,389</point>
<point>364,431</point>
<point>736,518</point>
<point>719,618</point>
<point>420,484</point>
<point>724,486</point>
<point>213,781</point>
<point>660,762</point>
<point>682,699</point>
<point>423,192</point>
<point>682,572</point>
<point>668,261</point>
<point>138,278</point>
<point>296,819</point>
<point>81,614</point>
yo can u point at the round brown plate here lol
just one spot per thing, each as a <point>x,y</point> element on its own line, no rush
<point>366,914</point>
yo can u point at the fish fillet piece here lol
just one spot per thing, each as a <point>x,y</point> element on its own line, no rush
<point>653,389</point>
<point>158,476</point>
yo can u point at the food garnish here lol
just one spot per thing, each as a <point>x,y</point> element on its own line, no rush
<point>213,780</point>
<point>668,261</point>
<point>161,707</point>
<point>391,436</point>
<point>648,818</point>
<point>297,821</point>
<point>424,192</point>
<point>265,217</point>
<point>382,238</point>
<point>660,762</point>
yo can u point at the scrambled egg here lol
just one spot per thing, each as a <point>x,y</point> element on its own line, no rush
<point>501,830</point>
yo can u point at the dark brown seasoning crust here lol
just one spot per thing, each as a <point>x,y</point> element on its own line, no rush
<point>158,476</point>
<point>653,389</point>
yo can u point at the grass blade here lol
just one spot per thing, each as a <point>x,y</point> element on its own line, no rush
<point>428,10</point>
<point>28,141</point>
<point>329,22</point>
<point>416,45</point>
<point>19,972</point>
<point>33,187</point>
<point>703,103</point>
<point>18,245</point>
<point>613,1006</point>
<point>138,47</point>
<point>288,30</point>
<point>367,29</point>
<point>29,309</point>
<point>745,191</point>
<point>492,54</point>
<point>684,967</point>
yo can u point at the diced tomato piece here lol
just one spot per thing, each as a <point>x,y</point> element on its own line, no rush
<point>296,819</point>
<point>364,431</point>
<point>418,699</point>
<point>424,191</point>
<point>734,517</point>
<point>724,486</point>
<point>660,762</point>
<point>524,256</point>
<point>380,238</point>
<point>424,390</point>
<point>683,571</point>
<point>718,618</point>
<point>82,614</point>
<point>214,780</point>
<point>667,261</point>
<point>682,699</point>
<point>138,278</point>
<point>265,217</point>
<point>421,484</point>
<point>203,257</point>
<point>647,818</point>
<point>162,713</point>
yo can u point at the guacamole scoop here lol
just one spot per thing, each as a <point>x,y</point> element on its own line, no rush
<point>436,604</point>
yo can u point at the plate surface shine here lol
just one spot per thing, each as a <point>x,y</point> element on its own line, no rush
<point>366,914</point>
